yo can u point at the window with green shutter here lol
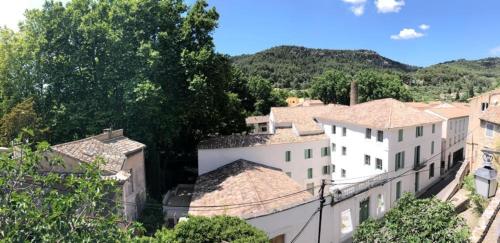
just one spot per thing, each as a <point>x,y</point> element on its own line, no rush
<point>334,147</point>
<point>334,129</point>
<point>431,170</point>
<point>432,147</point>
<point>364,210</point>
<point>325,151</point>
<point>307,153</point>
<point>309,173</point>
<point>398,190</point>
<point>378,164</point>
<point>326,170</point>
<point>367,159</point>
<point>400,135</point>
<point>433,128</point>
<point>288,156</point>
<point>399,160</point>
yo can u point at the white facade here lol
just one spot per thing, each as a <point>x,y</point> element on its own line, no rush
<point>274,155</point>
<point>355,166</point>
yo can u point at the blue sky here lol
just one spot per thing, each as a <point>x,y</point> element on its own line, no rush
<point>457,28</point>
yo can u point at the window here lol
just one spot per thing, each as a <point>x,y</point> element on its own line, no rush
<point>333,168</point>
<point>431,170</point>
<point>400,160</point>
<point>310,188</point>
<point>334,129</point>
<point>432,147</point>
<point>263,129</point>
<point>326,170</point>
<point>380,136</point>
<point>433,128</point>
<point>400,135</point>
<point>419,131</point>
<point>489,129</point>
<point>131,182</point>
<point>325,151</point>
<point>342,173</point>
<point>334,147</point>
<point>288,156</point>
<point>344,150</point>
<point>417,181</point>
<point>367,159</point>
<point>364,210</point>
<point>484,106</point>
<point>380,204</point>
<point>344,131</point>
<point>378,164</point>
<point>368,133</point>
<point>416,157</point>
<point>398,190</point>
<point>309,173</point>
<point>308,153</point>
<point>289,174</point>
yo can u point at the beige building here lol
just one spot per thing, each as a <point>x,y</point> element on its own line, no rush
<point>258,124</point>
<point>124,162</point>
<point>484,125</point>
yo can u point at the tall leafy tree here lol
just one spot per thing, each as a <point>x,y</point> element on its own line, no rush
<point>374,85</point>
<point>331,87</point>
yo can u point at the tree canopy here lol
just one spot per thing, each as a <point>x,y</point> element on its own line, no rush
<point>415,220</point>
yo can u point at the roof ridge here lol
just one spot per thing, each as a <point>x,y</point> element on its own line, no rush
<point>252,182</point>
<point>390,116</point>
<point>75,141</point>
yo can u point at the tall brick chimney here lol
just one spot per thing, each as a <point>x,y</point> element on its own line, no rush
<point>354,93</point>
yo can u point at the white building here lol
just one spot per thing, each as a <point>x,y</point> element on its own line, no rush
<point>455,130</point>
<point>385,136</point>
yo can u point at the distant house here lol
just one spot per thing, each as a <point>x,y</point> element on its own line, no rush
<point>259,124</point>
<point>484,125</point>
<point>124,162</point>
<point>295,101</point>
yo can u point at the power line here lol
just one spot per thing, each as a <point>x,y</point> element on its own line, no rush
<point>304,226</point>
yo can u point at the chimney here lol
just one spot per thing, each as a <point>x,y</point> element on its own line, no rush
<point>354,93</point>
<point>108,131</point>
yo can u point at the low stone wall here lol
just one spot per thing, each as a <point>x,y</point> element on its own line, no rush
<point>484,224</point>
<point>454,185</point>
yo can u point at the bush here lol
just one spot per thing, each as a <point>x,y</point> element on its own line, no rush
<point>415,220</point>
<point>477,200</point>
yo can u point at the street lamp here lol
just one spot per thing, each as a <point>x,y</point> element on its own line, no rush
<point>486,176</point>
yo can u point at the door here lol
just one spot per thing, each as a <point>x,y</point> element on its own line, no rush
<point>449,161</point>
<point>416,181</point>
<point>364,210</point>
<point>441,168</point>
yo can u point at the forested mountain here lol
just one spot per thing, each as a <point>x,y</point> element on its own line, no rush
<point>294,67</point>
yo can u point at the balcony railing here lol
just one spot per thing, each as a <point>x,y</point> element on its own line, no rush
<point>350,191</point>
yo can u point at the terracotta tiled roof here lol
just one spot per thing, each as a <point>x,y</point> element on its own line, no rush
<point>303,117</point>
<point>423,105</point>
<point>451,112</point>
<point>282,135</point>
<point>381,114</point>
<point>492,115</point>
<point>255,186</point>
<point>113,150</point>
<point>256,119</point>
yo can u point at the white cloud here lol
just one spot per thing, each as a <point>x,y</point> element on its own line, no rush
<point>406,34</point>
<point>389,6</point>
<point>358,10</point>
<point>495,51</point>
<point>424,27</point>
<point>12,12</point>
<point>357,6</point>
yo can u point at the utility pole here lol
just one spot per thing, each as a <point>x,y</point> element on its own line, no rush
<point>321,201</point>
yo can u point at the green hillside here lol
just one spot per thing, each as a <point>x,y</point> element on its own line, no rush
<point>294,67</point>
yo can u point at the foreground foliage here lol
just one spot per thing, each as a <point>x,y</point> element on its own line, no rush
<point>479,202</point>
<point>214,229</point>
<point>415,220</point>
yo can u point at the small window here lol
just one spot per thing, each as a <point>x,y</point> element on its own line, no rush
<point>433,128</point>
<point>326,170</point>
<point>380,136</point>
<point>368,133</point>
<point>400,160</point>
<point>484,106</point>
<point>344,131</point>
<point>334,147</point>
<point>288,156</point>
<point>131,181</point>
<point>325,152</point>
<point>367,159</point>
<point>307,153</point>
<point>310,188</point>
<point>334,129</point>
<point>400,135</point>
<point>398,190</point>
<point>342,173</point>
<point>489,129</point>
<point>378,164</point>
<point>289,174</point>
<point>263,129</point>
<point>431,170</point>
<point>432,147</point>
<point>416,157</point>
<point>309,173</point>
<point>333,168</point>
<point>344,150</point>
<point>419,131</point>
